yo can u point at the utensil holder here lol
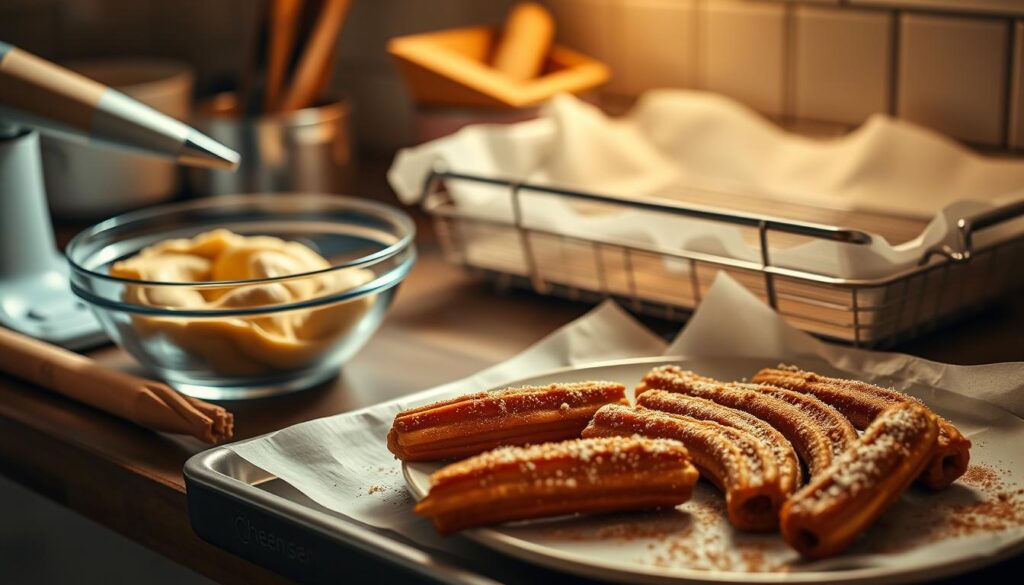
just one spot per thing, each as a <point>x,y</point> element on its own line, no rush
<point>308,150</point>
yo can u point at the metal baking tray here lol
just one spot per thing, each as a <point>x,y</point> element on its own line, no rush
<point>239,507</point>
<point>949,283</point>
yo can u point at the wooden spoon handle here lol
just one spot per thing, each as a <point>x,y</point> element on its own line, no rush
<point>317,57</point>
<point>284,17</point>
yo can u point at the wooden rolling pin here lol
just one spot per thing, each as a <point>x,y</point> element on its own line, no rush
<point>525,42</point>
<point>147,403</point>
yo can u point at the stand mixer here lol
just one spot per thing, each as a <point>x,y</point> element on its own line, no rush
<point>37,95</point>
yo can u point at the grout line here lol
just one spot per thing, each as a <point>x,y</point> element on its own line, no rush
<point>789,71</point>
<point>1016,80</point>
<point>1008,109</point>
<point>694,45</point>
<point>896,5</point>
<point>610,39</point>
<point>698,73</point>
<point>699,28</point>
<point>894,62</point>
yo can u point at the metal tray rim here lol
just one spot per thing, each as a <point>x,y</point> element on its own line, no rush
<point>201,469</point>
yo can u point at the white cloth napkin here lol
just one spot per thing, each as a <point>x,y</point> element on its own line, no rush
<point>675,140</point>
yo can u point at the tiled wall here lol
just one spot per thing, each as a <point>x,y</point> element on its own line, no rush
<point>213,35</point>
<point>819,65</point>
<point>953,65</point>
<point>210,34</point>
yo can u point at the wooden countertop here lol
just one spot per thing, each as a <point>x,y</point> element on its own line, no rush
<point>444,325</point>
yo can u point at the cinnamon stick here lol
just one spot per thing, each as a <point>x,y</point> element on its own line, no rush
<point>148,403</point>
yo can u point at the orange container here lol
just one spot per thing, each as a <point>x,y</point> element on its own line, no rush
<point>451,68</point>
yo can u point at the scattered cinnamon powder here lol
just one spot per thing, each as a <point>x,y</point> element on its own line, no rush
<point>982,477</point>
<point>992,507</point>
<point>1002,513</point>
<point>376,489</point>
<point>710,544</point>
<point>1002,507</point>
<point>984,501</point>
<point>698,537</point>
<point>629,529</point>
<point>754,559</point>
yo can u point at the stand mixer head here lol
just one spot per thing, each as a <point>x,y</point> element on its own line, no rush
<point>39,96</point>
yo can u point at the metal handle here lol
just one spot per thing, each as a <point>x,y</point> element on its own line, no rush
<point>801,228</point>
<point>966,228</point>
<point>763,224</point>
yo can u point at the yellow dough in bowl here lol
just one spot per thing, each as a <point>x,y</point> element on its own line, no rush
<point>259,344</point>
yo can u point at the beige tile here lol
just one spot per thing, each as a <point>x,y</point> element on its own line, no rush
<point>216,43</point>
<point>416,16</point>
<point>659,44</point>
<point>996,7</point>
<point>583,25</point>
<point>371,24</point>
<point>382,109</point>
<point>367,30</point>
<point>106,28</point>
<point>952,75</point>
<point>1017,91</point>
<point>591,27</point>
<point>742,50</point>
<point>32,25</point>
<point>841,63</point>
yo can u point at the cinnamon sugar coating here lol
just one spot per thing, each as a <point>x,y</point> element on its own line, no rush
<point>817,432</point>
<point>862,403</point>
<point>786,460</point>
<point>554,479</point>
<point>735,461</point>
<point>474,423</point>
<point>825,517</point>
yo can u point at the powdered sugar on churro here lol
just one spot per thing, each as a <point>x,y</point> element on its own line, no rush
<point>737,453</point>
<point>818,431</point>
<point>885,445</point>
<point>514,401</point>
<point>707,410</point>
<point>622,453</point>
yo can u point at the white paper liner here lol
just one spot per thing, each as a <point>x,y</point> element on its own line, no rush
<point>341,462</point>
<point>675,140</point>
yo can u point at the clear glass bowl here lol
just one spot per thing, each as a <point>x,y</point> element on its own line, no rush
<point>225,353</point>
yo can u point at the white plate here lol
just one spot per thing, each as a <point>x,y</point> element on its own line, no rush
<point>693,543</point>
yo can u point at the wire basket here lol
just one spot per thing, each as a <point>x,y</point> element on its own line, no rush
<point>948,282</point>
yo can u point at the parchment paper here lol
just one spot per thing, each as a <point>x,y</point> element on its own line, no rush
<point>674,141</point>
<point>341,462</point>
<point>732,322</point>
